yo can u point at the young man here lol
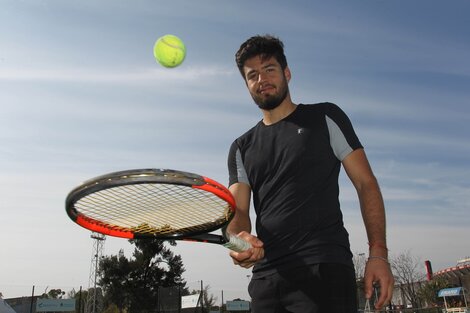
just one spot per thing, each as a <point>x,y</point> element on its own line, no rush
<point>290,162</point>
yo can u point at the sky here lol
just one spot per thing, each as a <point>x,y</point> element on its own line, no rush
<point>81,95</point>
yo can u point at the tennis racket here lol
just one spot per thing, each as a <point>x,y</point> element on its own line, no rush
<point>163,204</point>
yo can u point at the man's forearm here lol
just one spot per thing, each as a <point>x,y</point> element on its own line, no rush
<point>373,214</point>
<point>240,222</point>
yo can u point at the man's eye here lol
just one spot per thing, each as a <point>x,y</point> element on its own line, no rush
<point>251,76</point>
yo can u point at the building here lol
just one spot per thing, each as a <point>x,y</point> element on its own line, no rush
<point>458,275</point>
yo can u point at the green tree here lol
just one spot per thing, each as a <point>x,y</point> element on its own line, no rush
<point>114,271</point>
<point>132,284</point>
<point>428,292</point>
<point>209,299</point>
<point>80,297</point>
<point>112,308</point>
<point>53,294</point>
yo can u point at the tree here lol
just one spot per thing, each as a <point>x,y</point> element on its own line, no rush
<point>112,309</point>
<point>114,271</point>
<point>80,297</point>
<point>53,294</point>
<point>132,284</point>
<point>359,261</point>
<point>209,299</point>
<point>408,277</point>
<point>428,292</point>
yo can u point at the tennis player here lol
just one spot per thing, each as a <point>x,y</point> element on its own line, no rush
<point>289,163</point>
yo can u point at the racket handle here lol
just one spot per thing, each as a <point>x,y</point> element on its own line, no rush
<point>236,243</point>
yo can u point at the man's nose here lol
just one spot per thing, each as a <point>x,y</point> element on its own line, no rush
<point>262,77</point>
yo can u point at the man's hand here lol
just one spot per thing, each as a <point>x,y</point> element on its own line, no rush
<point>248,257</point>
<point>378,272</point>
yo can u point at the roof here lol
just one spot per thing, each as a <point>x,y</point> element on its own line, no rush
<point>5,308</point>
<point>456,271</point>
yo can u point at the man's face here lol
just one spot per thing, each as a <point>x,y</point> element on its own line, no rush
<point>266,82</point>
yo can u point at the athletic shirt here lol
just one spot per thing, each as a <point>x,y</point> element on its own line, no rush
<point>292,167</point>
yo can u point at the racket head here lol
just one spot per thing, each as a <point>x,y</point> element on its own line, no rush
<point>157,203</point>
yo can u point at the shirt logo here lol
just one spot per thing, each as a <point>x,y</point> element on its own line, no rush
<point>300,131</point>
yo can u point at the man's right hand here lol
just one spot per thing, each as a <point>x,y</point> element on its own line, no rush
<point>249,257</point>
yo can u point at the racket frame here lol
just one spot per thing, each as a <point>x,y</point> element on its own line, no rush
<point>150,176</point>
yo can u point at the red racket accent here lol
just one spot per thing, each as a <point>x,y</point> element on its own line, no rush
<point>219,190</point>
<point>103,228</point>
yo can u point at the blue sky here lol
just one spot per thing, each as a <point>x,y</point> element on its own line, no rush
<point>81,95</point>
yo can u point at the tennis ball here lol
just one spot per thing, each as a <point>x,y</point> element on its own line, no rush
<point>169,51</point>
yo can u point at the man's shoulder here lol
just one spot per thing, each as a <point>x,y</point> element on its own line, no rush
<point>248,134</point>
<point>319,107</point>
<point>322,109</point>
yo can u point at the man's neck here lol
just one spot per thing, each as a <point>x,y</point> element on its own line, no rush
<point>275,115</point>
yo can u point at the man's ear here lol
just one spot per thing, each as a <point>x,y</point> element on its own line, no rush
<point>287,73</point>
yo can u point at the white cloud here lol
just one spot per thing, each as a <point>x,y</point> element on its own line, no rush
<point>78,100</point>
<point>128,76</point>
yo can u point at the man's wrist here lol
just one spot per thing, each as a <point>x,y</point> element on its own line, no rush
<point>378,249</point>
<point>378,244</point>
<point>376,257</point>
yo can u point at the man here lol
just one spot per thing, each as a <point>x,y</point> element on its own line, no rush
<point>290,162</point>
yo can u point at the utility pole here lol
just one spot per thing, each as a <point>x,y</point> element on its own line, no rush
<point>94,303</point>
<point>202,296</point>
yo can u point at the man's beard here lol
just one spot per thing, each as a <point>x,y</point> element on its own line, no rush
<point>272,101</point>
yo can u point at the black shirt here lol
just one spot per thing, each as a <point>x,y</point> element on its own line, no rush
<point>292,168</point>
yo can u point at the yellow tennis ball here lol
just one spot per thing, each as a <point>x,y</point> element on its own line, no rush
<point>169,51</point>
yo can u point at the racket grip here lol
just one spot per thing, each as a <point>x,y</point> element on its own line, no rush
<point>236,243</point>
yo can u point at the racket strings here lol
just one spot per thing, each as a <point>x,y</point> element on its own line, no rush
<point>155,208</point>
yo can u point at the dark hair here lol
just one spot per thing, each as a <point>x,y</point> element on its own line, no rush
<point>266,46</point>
